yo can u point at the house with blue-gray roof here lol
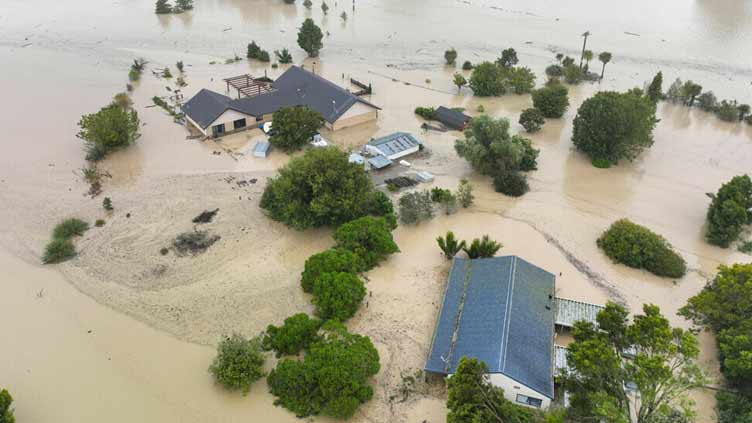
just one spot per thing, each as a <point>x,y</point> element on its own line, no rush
<point>501,311</point>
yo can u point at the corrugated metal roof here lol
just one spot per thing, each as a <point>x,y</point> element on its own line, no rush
<point>570,311</point>
<point>451,118</point>
<point>395,143</point>
<point>379,162</point>
<point>498,310</point>
<point>295,87</point>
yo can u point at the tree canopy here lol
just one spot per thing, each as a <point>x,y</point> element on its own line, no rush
<point>730,211</point>
<point>294,127</point>
<point>331,260</point>
<point>655,89</point>
<point>663,369</point>
<point>532,120</point>
<point>612,126</point>
<point>337,295</point>
<point>492,79</point>
<point>296,334</point>
<point>322,188</point>
<point>450,56</point>
<point>508,58</point>
<point>552,100</point>
<point>332,379</point>
<point>109,129</point>
<point>637,246</point>
<point>369,238</point>
<point>6,413</point>
<point>239,362</point>
<point>309,38</point>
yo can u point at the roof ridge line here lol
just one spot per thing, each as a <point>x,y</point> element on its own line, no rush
<point>460,308</point>
<point>508,315</point>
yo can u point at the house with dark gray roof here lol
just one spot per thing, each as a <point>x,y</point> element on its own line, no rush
<point>500,311</point>
<point>452,118</point>
<point>215,114</point>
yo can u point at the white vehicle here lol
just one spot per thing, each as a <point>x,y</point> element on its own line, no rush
<point>318,141</point>
<point>267,128</point>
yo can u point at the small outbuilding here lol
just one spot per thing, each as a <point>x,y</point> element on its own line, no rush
<point>357,159</point>
<point>379,162</point>
<point>262,149</point>
<point>452,118</point>
<point>500,311</point>
<point>394,146</point>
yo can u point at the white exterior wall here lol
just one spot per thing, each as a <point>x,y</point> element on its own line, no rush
<point>511,388</point>
<point>357,113</point>
<point>228,117</point>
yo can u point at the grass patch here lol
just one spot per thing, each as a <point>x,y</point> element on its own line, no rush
<point>58,250</point>
<point>69,228</point>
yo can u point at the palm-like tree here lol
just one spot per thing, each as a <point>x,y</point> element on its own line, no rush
<point>482,248</point>
<point>588,56</point>
<point>585,35</point>
<point>449,245</point>
<point>604,57</point>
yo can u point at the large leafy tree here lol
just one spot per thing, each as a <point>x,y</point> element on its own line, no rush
<point>552,100</point>
<point>6,413</point>
<point>297,333</point>
<point>473,399</point>
<point>309,38</point>
<point>655,89</point>
<point>729,211</point>
<point>337,295</point>
<point>331,260</point>
<point>611,126</point>
<point>239,362</point>
<point>663,368</point>
<point>294,127</point>
<point>322,188</point>
<point>369,238</point>
<point>111,128</point>
<point>333,378</point>
<point>486,80</point>
<point>508,58</point>
<point>490,149</point>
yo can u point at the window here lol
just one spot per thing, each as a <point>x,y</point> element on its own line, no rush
<point>218,129</point>
<point>238,124</point>
<point>533,402</point>
<point>260,118</point>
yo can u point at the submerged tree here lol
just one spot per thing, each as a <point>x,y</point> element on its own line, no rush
<point>239,363</point>
<point>531,119</point>
<point>294,127</point>
<point>460,81</point>
<point>585,36</point>
<point>449,245</point>
<point>6,412</point>
<point>184,4</point>
<point>283,56</point>
<point>508,58</point>
<point>324,7</point>
<point>369,238</point>
<point>729,212</point>
<point>552,100</point>
<point>309,37</point>
<point>163,6</point>
<point>450,56</point>
<point>484,247</point>
<point>604,57</point>
<point>111,128</point>
<point>655,89</point>
<point>465,193</point>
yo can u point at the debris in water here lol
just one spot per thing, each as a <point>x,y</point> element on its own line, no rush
<point>194,242</point>
<point>206,216</point>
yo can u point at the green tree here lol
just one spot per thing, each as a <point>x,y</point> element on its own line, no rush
<point>295,127</point>
<point>283,56</point>
<point>612,126</point>
<point>587,55</point>
<point>604,57</point>
<point>511,183</point>
<point>107,204</point>
<point>180,66</point>
<point>727,111</point>
<point>486,80</point>
<point>490,149</point>
<point>337,295</point>
<point>508,58</point>
<point>296,334</point>
<point>6,413</point>
<point>484,247</point>
<point>664,366</point>
<point>107,130</point>
<point>655,90</point>
<point>532,120</point>
<point>744,110</point>
<point>369,238</point>
<point>567,61</point>
<point>320,188</point>
<point>69,228</point>
<point>690,91</point>
<point>552,100</point>
<point>163,6</point>
<point>460,81</point>
<point>333,378</point>
<point>707,101</point>
<point>343,16</point>
<point>467,65</point>
<point>253,51</point>
<point>450,56</point>
<point>449,245</point>
<point>585,36</point>
<point>637,246</point>
<point>729,211</point>
<point>333,260</point>
<point>308,4</point>
<point>324,7</point>
<point>465,193</point>
<point>471,398</point>
<point>58,250</point>
<point>184,4</point>
<point>573,74</point>
<point>239,363</point>
<point>554,71</point>
<point>425,112</point>
<point>519,80</point>
<point>122,100</point>
<point>415,207</point>
<point>310,36</point>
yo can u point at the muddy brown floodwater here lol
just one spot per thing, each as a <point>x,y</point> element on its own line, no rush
<point>128,333</point>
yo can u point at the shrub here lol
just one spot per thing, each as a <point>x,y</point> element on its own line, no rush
<point>439,194</point>
<point>532,120</point>
<point>333,260</point>
<point>519,80</point>
<point>264,56</point>
<point>551,100</point>
<point>107,204</point>
<point>513,184</point>
<point>573,74</point>
<point>162,7</point>
<point>745,247</point>
<point>179,65</point>
<point>490,149</point>
<point>467,65</point>
<point>69,228</point>
<point>555,71</point>
<point>239,363</point>
<point>337,295</point>
<point>58,250</point>
<point>194,243</point>
<point>415,207</point>
<point>729,211</point>
<point>614,126</point>
<point>484,247</point>
<point>449,245</point>
<point>283,56</point>
<point>727,111</point>
<point>465,193</point>
<point>99,223</point>
<point>109,129</point>
<point>6,413</point>
<point>370,238</point>
<point>707,101</point>
<point>450,56</point>
<point>636,246</point>
<point>294,127</point>
<point>426,112</point>
<point>166,73</point>
<point>296,334</point>
<point>253,50</point>
<point>508,58</point>
<point>333,378</point>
